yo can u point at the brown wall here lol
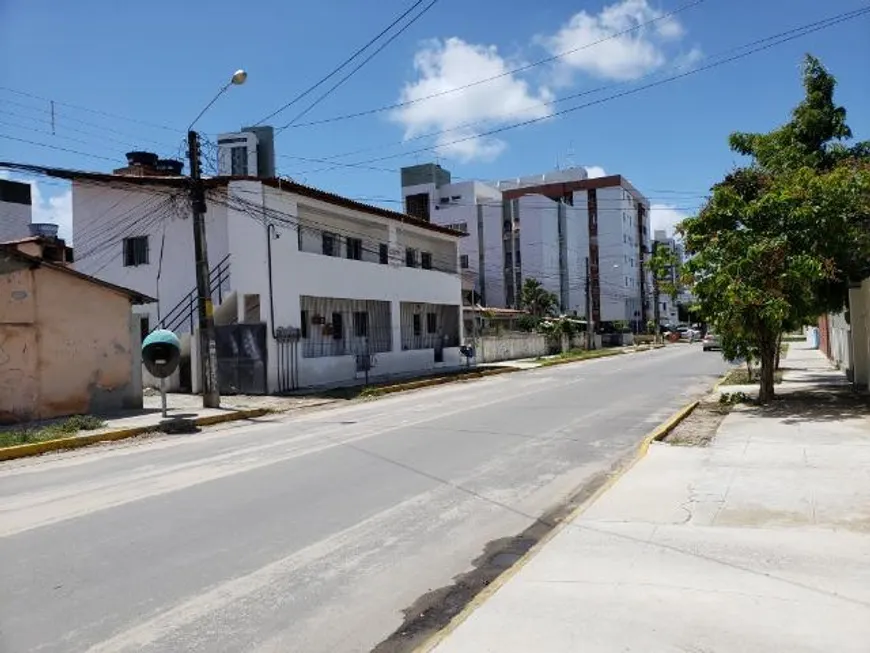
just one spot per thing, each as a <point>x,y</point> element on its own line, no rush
<point>65,346</point>
<point>825,335</point>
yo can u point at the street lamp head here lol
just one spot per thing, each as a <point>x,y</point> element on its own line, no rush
<point>239,77</point>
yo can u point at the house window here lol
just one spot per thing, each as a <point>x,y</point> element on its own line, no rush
<point>463,261</point>
<point>303,324</point>
<point>361,324</point>
<point>337,326</point>
<point>411,257</point>
<point>144,326</point>
<point>459,226</point>
<point>418,327</point>
<point>431,323</point>
<point>354,249</point>
<point>426,260</point>
<point>329,245</point>
<point>239,161</point>
<point>384,253</point>
<point>136,251</point>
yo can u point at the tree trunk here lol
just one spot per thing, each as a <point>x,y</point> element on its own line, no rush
<point>778,350</point>
<point>768,360</point>
<point>748,369</point>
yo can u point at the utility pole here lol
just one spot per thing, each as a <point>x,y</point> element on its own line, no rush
<point>655,280</point>
<point>589,323</point>
<point>207,347</point>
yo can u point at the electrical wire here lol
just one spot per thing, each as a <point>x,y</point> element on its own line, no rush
<point>354,70</point>
<point>507,73</point>
<point>98,112</point>
<point>751,48</point>
<point>59,149</point>
<point>341,66</point>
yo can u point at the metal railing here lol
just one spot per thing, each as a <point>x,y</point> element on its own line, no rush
<point>185,311</point>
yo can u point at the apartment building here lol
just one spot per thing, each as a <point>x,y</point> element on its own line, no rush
<point>310,289</point>
<point>15,210</point>
<point>551,227</point>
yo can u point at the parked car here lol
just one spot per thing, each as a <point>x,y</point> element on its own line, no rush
<point>711,341</point>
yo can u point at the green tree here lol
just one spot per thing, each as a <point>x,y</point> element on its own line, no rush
<point>778,242</point>
<point>664,265</point>
<point>536,299</point>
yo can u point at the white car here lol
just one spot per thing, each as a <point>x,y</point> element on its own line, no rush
<point>711,341</point>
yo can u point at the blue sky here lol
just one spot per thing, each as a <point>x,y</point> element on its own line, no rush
<point>154,66</point>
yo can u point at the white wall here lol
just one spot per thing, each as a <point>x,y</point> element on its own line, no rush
<point>493,254</point>
<point>539,241</point>
<point>14,221</point>
<point>491,349</point>
<point>298,273</point>
<point>577,244</point>
<point>104,215</point>
<point>841,334</point>
<point>618,256</point>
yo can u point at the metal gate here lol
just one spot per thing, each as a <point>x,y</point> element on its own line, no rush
<point>242,357</point>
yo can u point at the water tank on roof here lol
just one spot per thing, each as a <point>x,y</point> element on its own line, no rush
<point>141,158</point>
<point>44,229</point>
<point>169,166</point>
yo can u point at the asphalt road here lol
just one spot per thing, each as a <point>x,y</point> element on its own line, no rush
<point>312,532</point>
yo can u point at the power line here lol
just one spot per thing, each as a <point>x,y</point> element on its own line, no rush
<point>513,71</point>
<point>341,66</point>
<point>360,65</point>
<point>754,48</point>
<point>60,149</point>
<point>98,112</point>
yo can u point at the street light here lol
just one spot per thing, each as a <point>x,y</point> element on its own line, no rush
<point>239,77</point>
<point>207,344</point>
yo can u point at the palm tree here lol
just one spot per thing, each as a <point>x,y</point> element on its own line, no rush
<point>537,300</point>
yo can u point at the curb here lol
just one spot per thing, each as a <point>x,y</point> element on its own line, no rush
<point>441,380</point>
<point>581,359</point>
<point>659,433</point>
<point>79,441</point>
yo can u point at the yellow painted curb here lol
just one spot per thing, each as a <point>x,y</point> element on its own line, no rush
<point>485,594</point>
<point>441,380</point>
<point>79,441</point>
<point>580,359</point>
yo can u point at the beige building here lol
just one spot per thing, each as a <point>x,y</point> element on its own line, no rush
<point>68,341</point>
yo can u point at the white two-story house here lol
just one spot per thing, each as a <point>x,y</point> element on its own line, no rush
<point>310,289</point>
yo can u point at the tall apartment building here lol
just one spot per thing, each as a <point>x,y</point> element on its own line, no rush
<point>551,227</point>
<point>15,210</point>
<point>669,307</point>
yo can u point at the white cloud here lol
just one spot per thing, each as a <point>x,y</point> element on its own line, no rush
<point>445,65</point>
<point>56,209</point>
<point>47,206</point>
<point>687,60</point>
<point>665,216</point>
<point>595,171</point>
<point>624,57</point>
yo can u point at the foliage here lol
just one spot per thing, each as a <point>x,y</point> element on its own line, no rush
<point>558,327</point>
<point>536,299</point>
<point>528,322</point>
<point>61,429</point>
<point>663,264</point>
<point>651,327</point>
<point>777,242</point>
<point>621,326</point>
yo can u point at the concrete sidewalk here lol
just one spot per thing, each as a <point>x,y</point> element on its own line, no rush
<point>758,542</point>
